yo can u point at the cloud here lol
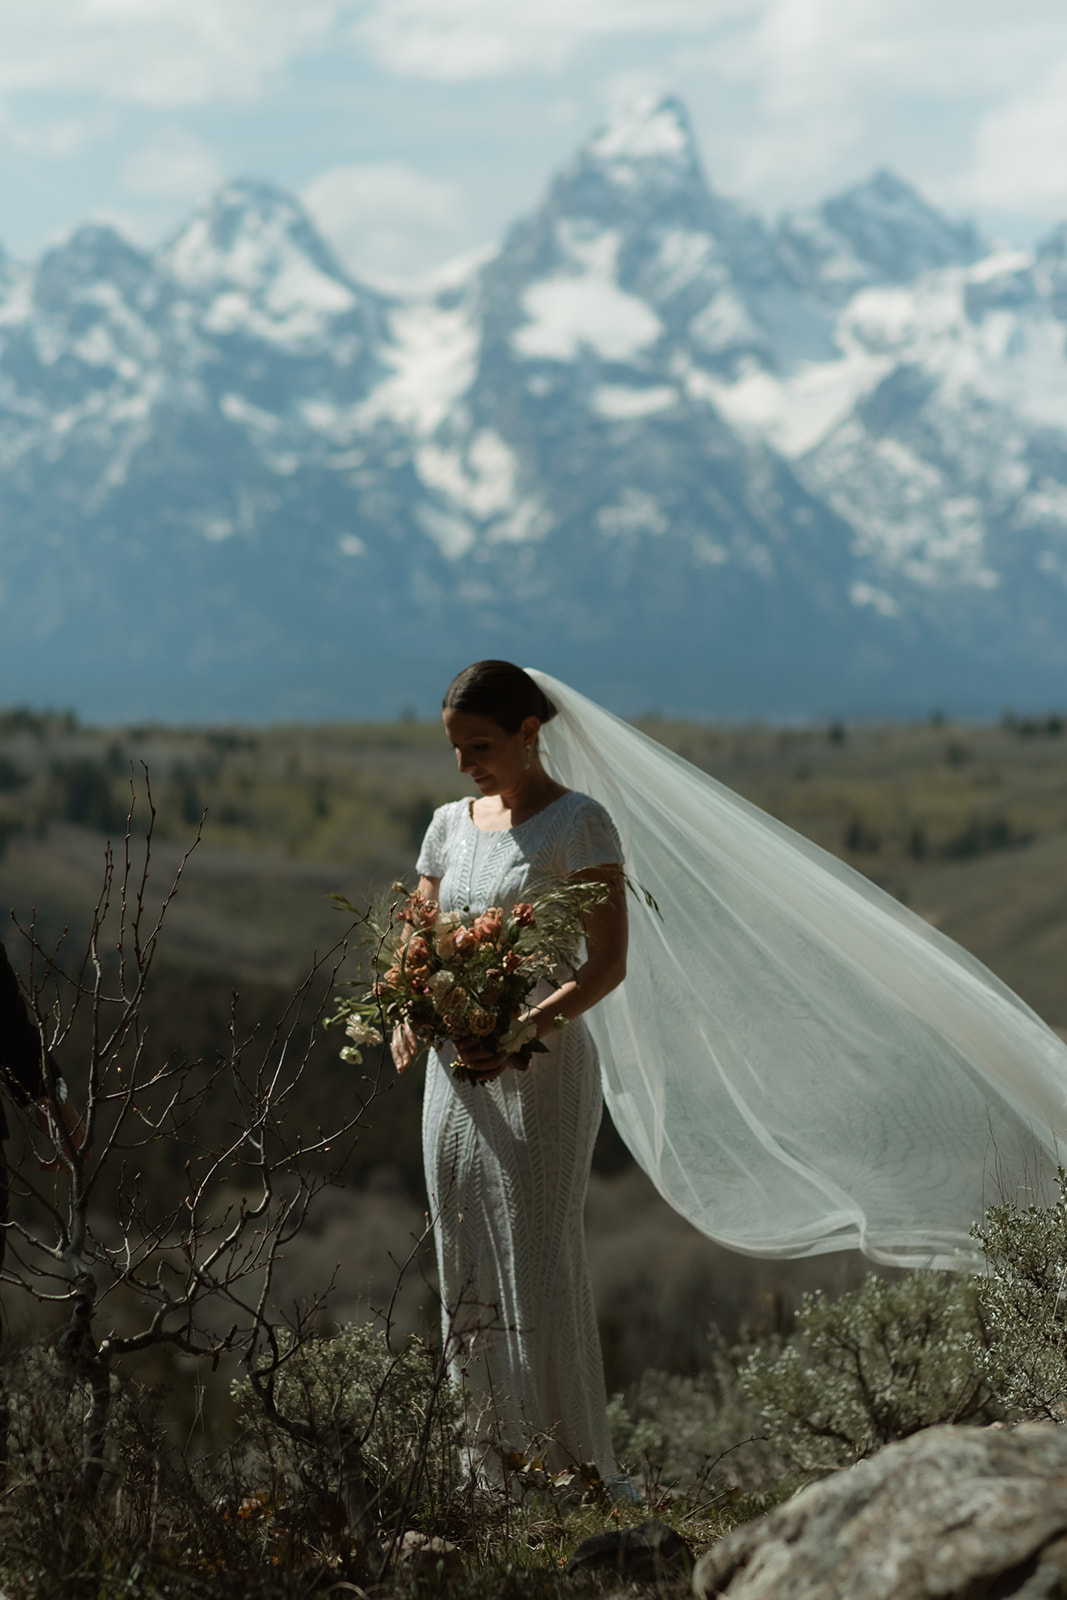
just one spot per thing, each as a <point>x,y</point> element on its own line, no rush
<point>793,93</point>
<point>383,218</point>
<point>465,40</point>
<point>790,99</point>
<point>807,52</point>
<point>55,138</point>
<point>1020,151</point>
<point>171,166</point>
<point>822,89</point>
<point>161,53</point>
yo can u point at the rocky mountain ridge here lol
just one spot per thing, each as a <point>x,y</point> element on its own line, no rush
<point>684,458</point>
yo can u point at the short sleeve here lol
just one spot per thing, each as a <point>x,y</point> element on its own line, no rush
<point>432,859</point>
<point>591,839</point>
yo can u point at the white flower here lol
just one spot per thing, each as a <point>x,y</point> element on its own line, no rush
<point>518,1034</point>
<point>360,1032</point>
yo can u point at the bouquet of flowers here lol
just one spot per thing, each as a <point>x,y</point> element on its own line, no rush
<point>462,977</point>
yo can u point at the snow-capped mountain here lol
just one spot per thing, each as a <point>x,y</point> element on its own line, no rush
<point>878,232</point>
<point>688,459</point>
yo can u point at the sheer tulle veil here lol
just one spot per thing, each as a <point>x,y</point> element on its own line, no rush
<point>798,1062</point>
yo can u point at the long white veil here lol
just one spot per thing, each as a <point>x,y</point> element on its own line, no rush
<point>798,1062</point>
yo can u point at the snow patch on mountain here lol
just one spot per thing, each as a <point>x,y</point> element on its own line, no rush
<point>432,359</point>
<point>725,325</point>
<point>1019,367</point>
<point>282,316</point>
<point>796,412</point>
<point>682,254</point>
<point>257,267</point>
<point>16,294</point>
<point>585,308</point>
<point>480,479</point>
<point>912,516</point>
<point>235,408</point>
<point>452,534</point>
<point>632,516</point>
<point>652,128</point>
<point>529,521</point>
<point>620,403</point>
<point>476,483</point>
<point>868,594</point>
<point>1047,502</point>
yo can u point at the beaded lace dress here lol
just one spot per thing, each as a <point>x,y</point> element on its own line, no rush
<point>507,1165</point>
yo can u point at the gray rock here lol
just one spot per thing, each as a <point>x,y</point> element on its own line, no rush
<point>651,1552</point>
<point>424,1555</point>
<point>951,1514</point>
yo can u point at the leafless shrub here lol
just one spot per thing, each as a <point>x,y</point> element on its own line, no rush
<point>129,1264</point>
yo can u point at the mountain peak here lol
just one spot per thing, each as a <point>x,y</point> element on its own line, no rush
<point>93,254</point>
<point>1051,270</point>
<point>651,128</point>
<point>252,257</point>
<point>895,231</point>
<point>640,165</point>
<point>247,231</point>
<point>647,144</point>
<point>1054,246</point>
<point>631,223</point>
<point>877,231</point>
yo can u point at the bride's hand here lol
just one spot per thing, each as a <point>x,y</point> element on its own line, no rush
<point>483,1064</point>
<point>404,1046</point>
<point>523,1029</point>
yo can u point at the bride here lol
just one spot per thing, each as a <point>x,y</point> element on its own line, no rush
<point>798,1062</point>
<point>508,1156</point>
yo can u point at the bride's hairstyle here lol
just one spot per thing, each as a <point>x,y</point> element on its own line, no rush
<point>500,691</point>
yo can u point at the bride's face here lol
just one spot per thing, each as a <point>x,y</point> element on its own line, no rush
<point>490,757</point>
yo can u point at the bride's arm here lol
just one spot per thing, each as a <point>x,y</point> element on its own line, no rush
<point>604,968</point>
<point>606,933</point>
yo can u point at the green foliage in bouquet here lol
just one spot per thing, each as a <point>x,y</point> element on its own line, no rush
<point>463,977</point>
<point>878,1364</point>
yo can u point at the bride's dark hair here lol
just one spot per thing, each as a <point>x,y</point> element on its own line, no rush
<point>500,691</point>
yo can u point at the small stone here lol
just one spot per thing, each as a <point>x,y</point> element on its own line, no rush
<point>423,1553</point>
<point>651,1552</point>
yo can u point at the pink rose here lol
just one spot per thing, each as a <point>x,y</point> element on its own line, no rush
<point>416,953</point>
<point>420,912</point>
<point>487,926</point>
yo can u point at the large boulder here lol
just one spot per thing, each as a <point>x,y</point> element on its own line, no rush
<point>950,1514</point>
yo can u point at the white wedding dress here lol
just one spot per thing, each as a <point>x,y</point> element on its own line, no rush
<point>507,1167</point>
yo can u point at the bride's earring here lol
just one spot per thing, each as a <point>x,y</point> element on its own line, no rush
<point>526,759</point>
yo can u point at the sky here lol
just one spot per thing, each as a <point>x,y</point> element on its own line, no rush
<point>416,131</point>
